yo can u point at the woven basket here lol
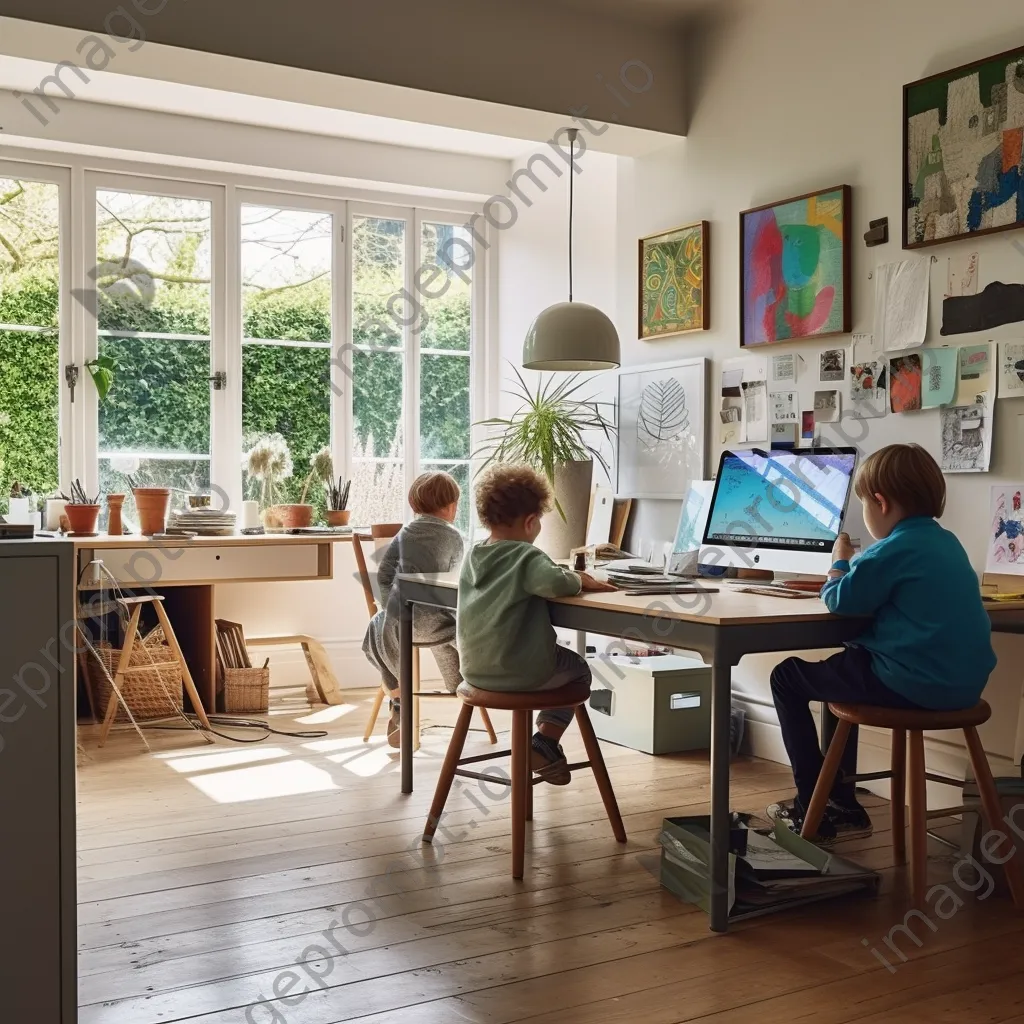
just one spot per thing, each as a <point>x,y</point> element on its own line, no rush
<point>150,693</point>
<point>246,690</point>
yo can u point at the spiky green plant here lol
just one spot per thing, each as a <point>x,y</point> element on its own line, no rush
<point>548,430</point>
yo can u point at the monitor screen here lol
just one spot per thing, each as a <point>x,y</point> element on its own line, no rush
<point>793,500</point>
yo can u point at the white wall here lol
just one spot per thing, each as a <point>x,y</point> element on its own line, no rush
<point>786,103</point>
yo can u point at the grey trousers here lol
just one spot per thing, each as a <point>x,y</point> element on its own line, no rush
<point>569,668</point>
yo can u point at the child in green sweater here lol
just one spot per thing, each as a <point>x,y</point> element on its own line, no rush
<point>505,637</point>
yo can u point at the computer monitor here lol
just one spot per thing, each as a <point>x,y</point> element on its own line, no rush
<point>693,520</point>
<point>779,510</point>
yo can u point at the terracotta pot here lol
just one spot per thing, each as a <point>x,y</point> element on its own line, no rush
<point>152,504</point>
<point>82,518</point>
<point>338,516</point>
<point>295,516</point>
<point>115,524</point>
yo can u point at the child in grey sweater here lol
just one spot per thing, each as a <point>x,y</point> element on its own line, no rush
<point>428,544</point>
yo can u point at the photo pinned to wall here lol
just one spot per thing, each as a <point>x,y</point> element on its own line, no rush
<point>795,259</point>
<point>967,437</point>
<point>1006,537</point>
<point>962,139</point>
<point>868,393</point>
<point>828,406</point>
<point>940,368</point>
<point>905,383</point>
<point>744,400</point>
<point>784,435</point>
<point>831,365</point>
<point>1011,369</point>
<point>976,377</point>
<point>807,425</point>
<point>661,429</point>
<point>962,274</point>
<point>674,281</point>
<point>901,304</point>
<point>784,368</point>
<point>784,408</point>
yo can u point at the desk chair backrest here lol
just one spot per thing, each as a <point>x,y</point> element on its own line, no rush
<point>379,536</point>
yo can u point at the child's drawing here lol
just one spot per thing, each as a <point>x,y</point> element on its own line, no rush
<point>966,437</point>
<point>1006,536</point>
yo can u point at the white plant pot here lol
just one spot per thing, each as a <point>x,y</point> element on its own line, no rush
<point>572,489</point>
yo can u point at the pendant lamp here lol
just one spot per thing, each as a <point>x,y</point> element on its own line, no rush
<point>571,335</point>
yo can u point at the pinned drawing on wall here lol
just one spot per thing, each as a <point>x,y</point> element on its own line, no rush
<point>827,406</point>
<point>864,349</point>
<point>905,383</point>
<point>975,379</point>
<point>784,435</point>
<point>901,304</point>
<point>998,304</point>
<point>784,406</point>
<point>784,368</point>
<point>1011,369</point>
<point>962,151</point>
<point>795,268</point>
<point>744,400</point>
<point>731,420</point>
<point>755,410</point>
<point>940,368</point>
<point>807,425</point>
<point>1006,536</point>
<point>674,285</point>
<point>831,365</point>
<point>967,437</point>
<point>962,275</point>
<point>868,390</point>
<point>661,429</point>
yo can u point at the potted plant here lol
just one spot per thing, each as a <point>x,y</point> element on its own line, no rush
<point>82,512</point>
<point>548,432</point>
<point>338,511</point>
<point>321,467</point>
<point>151,504</point>
<point>267,463</point>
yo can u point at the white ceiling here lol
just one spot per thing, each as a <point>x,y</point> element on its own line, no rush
<point>658,12</point>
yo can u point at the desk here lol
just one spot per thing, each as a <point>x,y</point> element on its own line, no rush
<point>186,571</point>
<point>722,627</point>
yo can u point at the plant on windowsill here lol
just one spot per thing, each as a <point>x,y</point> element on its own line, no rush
<point>321,468</point>
<point>267,463</point>
<point>549,432</point>
<point>338,512</point>
<point>101,370</point>
<point>82,512</point>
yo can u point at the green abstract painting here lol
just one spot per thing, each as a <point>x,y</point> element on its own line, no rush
<point>674,294</point>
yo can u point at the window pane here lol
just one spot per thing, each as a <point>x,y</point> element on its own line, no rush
<point>154,279</point>
<point>444,287</point>
<point>377,404</point>
<point>444,407</point>
<point>286,274</point>
<point>186,476</point>
<point>378,279</point>
<point>28,253</point>
<point>459,470</point>
<point>378,492</point>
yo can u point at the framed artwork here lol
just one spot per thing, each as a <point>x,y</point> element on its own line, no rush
<point>795,260</point>
<point>661,429</point>
<point>674,295</point>
<point>963,165</point>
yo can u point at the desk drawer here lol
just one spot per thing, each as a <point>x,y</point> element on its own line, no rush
<point>159,566</point>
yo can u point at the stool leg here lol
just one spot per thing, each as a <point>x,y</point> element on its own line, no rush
<point>898,795</point>
<point>597,766</point>
<point>486,719</point>
<point>826,780</point>
<point>374,712</point>
<point>520,746</point>
<point>416,698</point>
<point>993,811</point>
<point>447,776</point>
<point>918,787</point>
<point>529,774</point>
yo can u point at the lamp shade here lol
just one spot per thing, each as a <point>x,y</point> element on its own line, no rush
<point>571,336</point>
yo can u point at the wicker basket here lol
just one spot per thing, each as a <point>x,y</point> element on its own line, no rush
<point>150,693</point>
<point>246,690</point>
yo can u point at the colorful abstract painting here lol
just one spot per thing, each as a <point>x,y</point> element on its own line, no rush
<point>674,293</point>
<point>963,166</point>
<point>795,268</point>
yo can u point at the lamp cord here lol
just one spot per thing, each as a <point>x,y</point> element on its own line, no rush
<point>572,174</point>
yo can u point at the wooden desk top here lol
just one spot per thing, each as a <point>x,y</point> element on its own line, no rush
<point>105,542</point>
<point>728,607</point>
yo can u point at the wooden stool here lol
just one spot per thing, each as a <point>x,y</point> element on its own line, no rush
<point>522,705</point>
<point>319,664</point>
<point>913,725</point>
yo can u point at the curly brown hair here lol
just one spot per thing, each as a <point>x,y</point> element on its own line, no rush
<point>907,475</point>
<point>507,493</point>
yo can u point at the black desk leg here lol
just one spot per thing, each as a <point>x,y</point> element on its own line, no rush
<point>405,690</point>
<point>721,709</point>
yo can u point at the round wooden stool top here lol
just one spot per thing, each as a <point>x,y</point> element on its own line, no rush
<point>526,700</point>
<point>912,720</point>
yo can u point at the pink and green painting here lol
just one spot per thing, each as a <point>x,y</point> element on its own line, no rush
<point>795,269</point>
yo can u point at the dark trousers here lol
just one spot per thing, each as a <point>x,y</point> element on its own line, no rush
<point>845,678</point>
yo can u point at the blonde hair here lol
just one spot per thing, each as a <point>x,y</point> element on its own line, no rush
<point>431,492</point>
<point>507,493</point>
<point>907,475</point>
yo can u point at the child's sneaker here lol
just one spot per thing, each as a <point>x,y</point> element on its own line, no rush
<point>791,814</point>
<point>548,761</point>
<point>850,822</point>
<point>394,725</point>
<point>838,823</point>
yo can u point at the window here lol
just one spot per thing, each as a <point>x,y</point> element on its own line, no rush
<point>154,311</point>
<point>29,337</point>
<point>287,335</point>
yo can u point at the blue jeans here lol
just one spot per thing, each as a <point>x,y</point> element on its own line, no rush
<point>845,678</point>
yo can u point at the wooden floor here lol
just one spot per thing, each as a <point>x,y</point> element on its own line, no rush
<point>208,873</point>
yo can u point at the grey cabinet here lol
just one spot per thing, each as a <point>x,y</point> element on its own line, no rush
<point>37,783</point>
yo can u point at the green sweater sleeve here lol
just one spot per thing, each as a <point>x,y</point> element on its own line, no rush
<point>545,579</point>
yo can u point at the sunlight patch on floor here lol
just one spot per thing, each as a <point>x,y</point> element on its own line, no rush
<point>264,782</point>
<point>225,758</point>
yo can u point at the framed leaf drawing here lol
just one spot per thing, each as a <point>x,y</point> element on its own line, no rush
<point>674,296</point>
<point>661,429</point>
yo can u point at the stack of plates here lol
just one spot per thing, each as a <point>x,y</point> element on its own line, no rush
<point>206,522</point>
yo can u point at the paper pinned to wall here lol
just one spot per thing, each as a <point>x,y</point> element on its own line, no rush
<point>962,274</point>
<point>1011,369</point>
<point>975,377</point>
<point>868,389</point>
<point>807,425</point>
<point>831,365</point>
<point>744,400</point>
<point>755,411</point>
<point>864,349</point>
<point>967,437</point>
<point>939,370</point>
<point>901,304</point>
<point>828,406</point>
<point>784,406</point>
<point>1006,535</point>
<point>784,368</point>
<point>731,425</point>
<point>905,383</point>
